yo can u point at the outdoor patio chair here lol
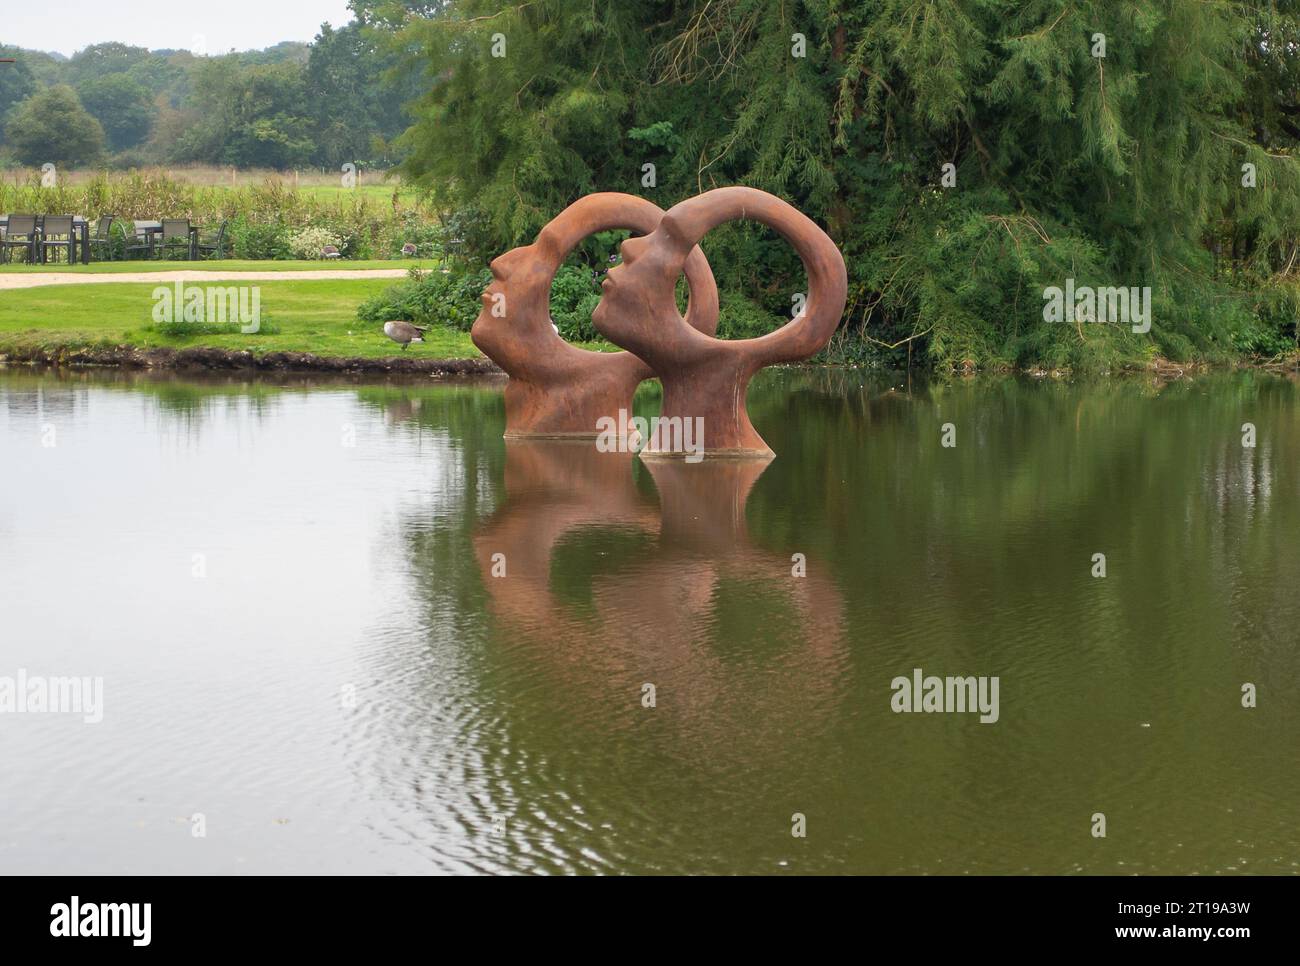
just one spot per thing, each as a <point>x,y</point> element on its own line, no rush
<point>177,239</point>
<point>139,242</point>
<point>57,231</point>
<point>213,246</point>
<point>20,235</point>
<point>101,242</point>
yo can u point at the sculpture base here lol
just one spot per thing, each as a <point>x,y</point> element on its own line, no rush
<point>737,453</point>
<point>526,434</point>
<point>703,414</point>
<point>584,398</point>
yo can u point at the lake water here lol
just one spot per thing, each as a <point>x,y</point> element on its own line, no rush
<point>287,588</point>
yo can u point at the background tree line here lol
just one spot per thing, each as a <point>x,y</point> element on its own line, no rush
<point>291,105</point>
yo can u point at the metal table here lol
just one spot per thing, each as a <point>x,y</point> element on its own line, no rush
<point>151,231</point>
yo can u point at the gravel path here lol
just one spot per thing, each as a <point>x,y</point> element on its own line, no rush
<point>37,279</point>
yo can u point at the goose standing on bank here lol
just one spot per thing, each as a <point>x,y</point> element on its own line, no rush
<point>403,333</point>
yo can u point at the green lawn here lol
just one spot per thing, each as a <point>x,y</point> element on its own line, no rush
<point>311,316</point>
<point>371,192</point>
<point>223,265</point>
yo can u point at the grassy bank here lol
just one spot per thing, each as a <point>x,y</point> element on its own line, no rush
<point>317,317</point>
<point>316,323</point>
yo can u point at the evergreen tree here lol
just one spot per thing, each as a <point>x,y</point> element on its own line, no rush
<point>1100,141</point>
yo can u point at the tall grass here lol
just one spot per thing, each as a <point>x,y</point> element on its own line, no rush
<point>366,224</point>
<point>217,176</point>
<point>157,194</point>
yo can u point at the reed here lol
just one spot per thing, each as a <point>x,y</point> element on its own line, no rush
<point>373,220</point>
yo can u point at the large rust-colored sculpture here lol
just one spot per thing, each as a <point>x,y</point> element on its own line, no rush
<point>704,378</point>
<point>557,389</point>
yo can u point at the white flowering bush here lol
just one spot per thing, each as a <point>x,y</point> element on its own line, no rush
<point>311,242</point>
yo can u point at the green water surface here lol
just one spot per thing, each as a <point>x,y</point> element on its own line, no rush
<point>288,589</point>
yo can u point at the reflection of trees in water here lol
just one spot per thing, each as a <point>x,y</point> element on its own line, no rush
<point>1040,473</point>
<point>186,401</point>
<point>29,402</point>
<point>181,403</point>
<point>460,411</point>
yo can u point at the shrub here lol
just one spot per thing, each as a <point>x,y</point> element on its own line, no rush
<point>434,298</point>
<point>259,241</point>
<point>426,236</point>
<point>466,232</point>
<point>310,243</point>
<point>740,317</point>
<point>452,298</point>
<point>574,296</point>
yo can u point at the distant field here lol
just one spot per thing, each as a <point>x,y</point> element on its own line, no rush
<point>152,192</point>
<point>371,192</point>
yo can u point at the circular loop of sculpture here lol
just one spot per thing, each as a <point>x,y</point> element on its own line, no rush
<point>557,389</point>
<point>704,378</point>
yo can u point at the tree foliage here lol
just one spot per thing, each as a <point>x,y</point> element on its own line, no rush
<point>1089,139</point>
<point>51,127</point>
<point>122,107</point>
<point>17,83</point>
<point>290,105</point>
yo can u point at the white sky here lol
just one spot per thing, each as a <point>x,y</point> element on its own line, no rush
<point>69,25</point>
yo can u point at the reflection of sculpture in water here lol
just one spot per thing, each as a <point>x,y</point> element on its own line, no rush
<point>557,389</point>
<point>705,551</point>
<point>402,409</point>
<point>665,613</point>
<point>555,489</point>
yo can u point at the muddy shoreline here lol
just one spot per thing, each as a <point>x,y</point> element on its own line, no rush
<point>209,359</point>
